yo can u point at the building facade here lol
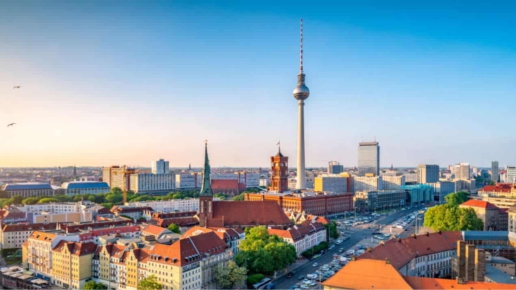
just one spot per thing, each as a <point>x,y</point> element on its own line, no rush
<point>186,181</point>
<point>369,158</point>
<point>279,177</point>
<point>380,200</point>
<point>510,174</point>
<point>166,206</point>
<point>427,173</point>
<point>152,183</point>
<point>419,194</point>
<point>72,264</point>
<point>367,183</point>
<point>85,187</point>
<point>159,167</point>
<point>332,183</point>
<point>494,172</point>
<point>334,167</point>
<point>29,189</point>
<point>303,236</point>
<point>494,218</point>
<point>393,182</point>
<point>117,176</point>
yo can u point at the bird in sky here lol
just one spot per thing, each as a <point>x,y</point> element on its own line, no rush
<point>17,87</point>
<point>9,125</point>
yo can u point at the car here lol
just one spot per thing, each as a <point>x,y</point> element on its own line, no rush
<point>331,247</point>
<point>315,265</point>
<point>301,277</point>
<point>304,287</point>
<point>290,275</point>
<point>269,286</point>
<point>341,250</point>
<point>312,283</point>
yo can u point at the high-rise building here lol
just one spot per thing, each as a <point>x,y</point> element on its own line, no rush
<point>511,174</point>
<point>334,167</point>
<point>427,173</point>
<point>301,93</point>
<point>152,183</point>
<point>279,177</point>
<point>117,176</point>
<point>391,182</point>
<point>160,167</point>
<point>494,171</point>
<point>368,158</point>
<point>461,171</point>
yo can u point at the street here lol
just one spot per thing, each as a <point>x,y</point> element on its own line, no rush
<point>358,235</point>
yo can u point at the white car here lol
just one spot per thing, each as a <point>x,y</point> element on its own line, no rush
<point>315,265</point>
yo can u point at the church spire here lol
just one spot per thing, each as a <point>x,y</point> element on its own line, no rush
<point>206,182</point>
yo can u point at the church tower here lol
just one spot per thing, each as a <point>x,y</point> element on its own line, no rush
<point>279,166</point>
<point>206,196</point>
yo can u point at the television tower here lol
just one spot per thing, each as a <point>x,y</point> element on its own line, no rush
<point>301,93</point>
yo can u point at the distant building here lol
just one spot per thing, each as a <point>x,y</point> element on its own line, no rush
<point>494,218</point>
<point>334,167</point>
<point>186,181</point>
<point>427,173</point>
<point>279,178</point>
<point>117,176</point>
<point>166,206</point>
<point>368,158</point>
<point>367,183</point>
<point>152,183</point>
<point>380,200</point>
<point>230,187</point>
<point>331,182</point>
<point>160,167</point>
<point>499,190</point>
<point>462,171</point>
<point>393,182</point>
<point>29,189</point>
<point>494,172</point>
<point>85,187</point>
<point>511,174</point>
<point>419,194</point>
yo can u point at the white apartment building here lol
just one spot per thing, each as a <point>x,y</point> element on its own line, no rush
<point>461,171</point>
<point>172,205</point>
<point>185,181</point>
<point>265,182</point>
<point>304,236</point>
<point>331,182</point>
<point>150,183</point>
<point>85,187</point>
<point>251,179</point>
<point>367,183</point>
<point>391,182</point>
<point>13,236</point>
<point>511,174</point>
<point>160,167</point>
<point>59,207</point>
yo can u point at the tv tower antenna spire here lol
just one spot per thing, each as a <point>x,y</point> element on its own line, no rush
<point>301,48</point>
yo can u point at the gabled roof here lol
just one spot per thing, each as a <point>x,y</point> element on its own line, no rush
<point>226,234</point>
<point>479,203</point>
<point>436,283</point>
<point>249,213</point>
<point>153,230</point>
<point>27,227</point>
<point>76,248</point>
<point>402,251</point>
<point>367,274</point>
<point>298,232</point>
<point>42,236</point>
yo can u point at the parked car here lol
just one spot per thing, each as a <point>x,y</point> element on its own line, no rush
<point>315,264</point>
<point>301,277</point>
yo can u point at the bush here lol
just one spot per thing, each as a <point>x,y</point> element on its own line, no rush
<point>253,279</point>
<point>316,250</point>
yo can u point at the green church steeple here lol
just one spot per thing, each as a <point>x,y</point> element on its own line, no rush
<point>206,182</point>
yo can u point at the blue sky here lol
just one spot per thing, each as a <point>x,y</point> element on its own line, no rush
<point>112,82</point>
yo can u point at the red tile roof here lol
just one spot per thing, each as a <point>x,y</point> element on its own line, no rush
<point>479,203</point>
<point>223,233</point>
<point>108,231</point>
<point>500,187</point>
<point>76,248</point>
<point>298,232</point>
<point>182,222</point>
<point>236,213</point>
<point>153,230</point>
<point>173,214</point>
<point>402,251</point>
<point>436,283</point>
<point>367,274</point>
<point>28,227</point>
<point>224,184</point>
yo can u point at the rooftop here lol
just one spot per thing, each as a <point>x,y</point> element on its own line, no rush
<point>26,186</point>
<point>479,203</point>
<point>485,235</point>
<point>498,276</point>
<point>85,184</point>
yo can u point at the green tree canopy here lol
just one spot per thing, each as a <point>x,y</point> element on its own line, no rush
<point>48,200</point>
<point>174,228</point>
<point>331,230</point>
<point>447,217</point>
<point>16,199</point>
<point>31,200</point>
<point>92,285</point>
<point>239,197</point>
<point>150,283</point>
<point>264,253</point>
<point>229,276</point>
<point>114,197</point>
<point>116,191</point>
<point>457,198</point>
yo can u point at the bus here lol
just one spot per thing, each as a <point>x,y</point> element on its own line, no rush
<point>262,284</point>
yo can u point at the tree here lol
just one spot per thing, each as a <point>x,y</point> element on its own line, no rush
<point>239,197</point>
<point>116,191</point>
<point>92,285</point>
<point>264,253</point>
<point>48,200</point>
<point>114,197</point>
<point>457,198</point>
<point>150,283</point>
<point>174,228</point>
<point>253,279</point>
<point>31,200</point>
<point>220,196</point>
<point>331,230</point>
<point>16,199</point>
<point>448,217</point>
<point>229,276</point>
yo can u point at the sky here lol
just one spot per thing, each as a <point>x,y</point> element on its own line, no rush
<point>127,82</point>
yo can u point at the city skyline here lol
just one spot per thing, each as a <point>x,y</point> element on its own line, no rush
<point>100,87</point>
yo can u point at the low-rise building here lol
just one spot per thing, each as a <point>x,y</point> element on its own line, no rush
<point>419,194</point>
<point>331,183</point>
<point>12,236</point>
<point>28,189</point>
<point>231,236</point>
<point>129,211</point>
<point>173,205</point>
<point>380,200</point>
<point>85,187</point>
<point>71,264</point>
<point>507,190</point>
<point>303,236</point>
<point>367,183</point>
<point>494,218</point>
<point>50,217</point>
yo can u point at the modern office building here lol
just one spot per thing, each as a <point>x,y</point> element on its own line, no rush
<point>334,167</point>
<point>160,167</point>
<point>28,189</point>
<point>511,174</point>
<point>462,171</point>
<point>332,183</point>
<point>393,182</point>
<point>419,194</point>
<point>427,173</point>
<point>152,183</point>
<point>367,183</point>
<point>380,200</point>
<point>494,171</point>
<point>186,181</point>
<point>369,158</point>
<point>85,187</point>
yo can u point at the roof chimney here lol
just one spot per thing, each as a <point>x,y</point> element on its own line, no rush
<point>353,258</point>
<point>414,236</point>
<point>427,234</point>
<point>387,261</point>
<point>460,281</point>
<point>440,232</point>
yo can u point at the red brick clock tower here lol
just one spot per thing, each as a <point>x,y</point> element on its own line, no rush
<point>279,166</point>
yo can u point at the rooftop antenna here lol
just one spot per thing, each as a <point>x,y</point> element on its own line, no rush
<point>301,48</point>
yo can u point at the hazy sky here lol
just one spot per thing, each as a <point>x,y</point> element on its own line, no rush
<point>127,82</point>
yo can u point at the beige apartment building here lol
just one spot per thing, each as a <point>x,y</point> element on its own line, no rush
<point>71,264</point>
<point>70,217</point>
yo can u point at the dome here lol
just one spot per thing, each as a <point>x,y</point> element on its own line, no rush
<point>301,92</point>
